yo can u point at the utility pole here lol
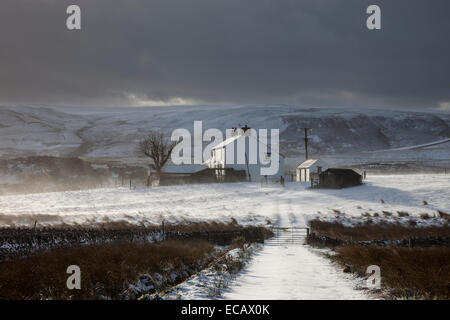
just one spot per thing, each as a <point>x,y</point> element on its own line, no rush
<point>306,141</point>
<point>248,171</point>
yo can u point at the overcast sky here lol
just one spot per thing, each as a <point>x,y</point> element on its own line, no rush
<point>302,52</point>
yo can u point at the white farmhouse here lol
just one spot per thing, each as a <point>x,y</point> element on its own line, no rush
<point>309,168</point>
<point>234,153</point>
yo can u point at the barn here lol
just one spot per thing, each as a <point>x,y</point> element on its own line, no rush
<point>191,174</point>
<point>179,174</point>
<point>335,178</point>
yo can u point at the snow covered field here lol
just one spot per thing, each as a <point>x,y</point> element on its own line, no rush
<point>275,272</point>
<point>248,203</point>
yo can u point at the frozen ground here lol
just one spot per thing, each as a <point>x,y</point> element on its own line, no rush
<point>276,272</point>
<point>248,203</point>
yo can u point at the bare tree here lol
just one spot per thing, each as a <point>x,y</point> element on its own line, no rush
<point>157,148</point>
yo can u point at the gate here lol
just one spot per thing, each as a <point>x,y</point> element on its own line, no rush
<point>288,236</point>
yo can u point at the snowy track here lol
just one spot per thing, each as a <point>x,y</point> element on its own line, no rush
<point>286,272</point>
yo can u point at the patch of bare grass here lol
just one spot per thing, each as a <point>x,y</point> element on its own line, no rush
<point>387,213</point>
<point>106,270</point>
<point>203,226</point>
<point>444,215</point>
<point>402,214</point>
<point>425,216</point>
<point>409,273</point>
<point>367,232</point>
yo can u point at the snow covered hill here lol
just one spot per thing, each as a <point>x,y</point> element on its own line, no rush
<point>113,132</point>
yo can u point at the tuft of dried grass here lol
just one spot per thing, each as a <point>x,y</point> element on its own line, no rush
<point>425,216</point>
<point>367,232</point>
<point>106,269</point>
<point>444,215</point>
<point>238,242</point>
<point>387,213</point>
<point>203,226</point>
<point>402,213</point>
<point>412,223</point>
<point>409,273</point>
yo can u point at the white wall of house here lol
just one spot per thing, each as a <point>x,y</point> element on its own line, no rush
<point>246,161</point>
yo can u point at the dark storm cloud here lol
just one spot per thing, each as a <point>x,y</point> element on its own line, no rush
<point>234,51</point>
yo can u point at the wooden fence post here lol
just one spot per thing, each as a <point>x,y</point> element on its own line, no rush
<point>163,231</point>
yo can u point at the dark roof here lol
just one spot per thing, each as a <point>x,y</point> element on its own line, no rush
<point>183,168</point>
<point>341,171</point>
